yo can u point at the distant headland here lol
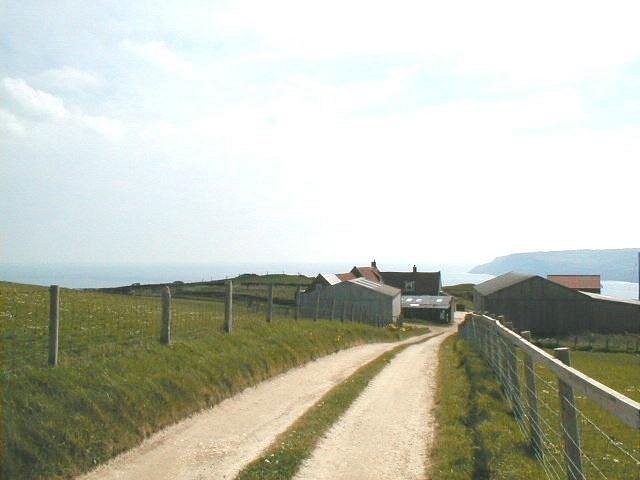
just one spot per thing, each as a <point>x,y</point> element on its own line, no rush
<point>611,264</point>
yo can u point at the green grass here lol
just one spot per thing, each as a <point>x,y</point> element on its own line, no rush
<point>247,288</point>
<point>620,371</point>
<point>463,293</point>
<point>283,458</point>
<point>594,342</point>
<point>470,403</point>
<point>477,436</point>
<point>116,384</point>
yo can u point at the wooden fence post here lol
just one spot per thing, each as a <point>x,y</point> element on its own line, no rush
<point>532,400</point>
<point>491,351</point>
<point>228,307</point>
<point>495,339</point>
<point>569,418</point>
<point>297,299</point>
<point>165,333</point>
<point>344,311</point>
<point>484,343</point>
<point>502,354</point>
<point>54,323</point>
<point>270,303</point>
<point>333,307</point>
<point>489,341</point>
<point>317,310</point>
<point>512,374</point>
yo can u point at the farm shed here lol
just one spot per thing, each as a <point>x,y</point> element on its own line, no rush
<point>357,299</point>
<point>437,308</point>
<point>534,303</point>
<point>584,283</point>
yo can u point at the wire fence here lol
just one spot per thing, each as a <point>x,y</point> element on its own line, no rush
<point>593,342</point>
<point>93,324</point>
<point>594,434</point>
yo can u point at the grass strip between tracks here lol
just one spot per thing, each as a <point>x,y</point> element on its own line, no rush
<point>285,455</point>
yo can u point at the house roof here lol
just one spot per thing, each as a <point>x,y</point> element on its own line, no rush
<point>426,283</point>
<point>426,301</point>
<point>378,287</point>
<point>577,282</point>
<point>606,298</point>
<point>502,281</point>
<point>369,273</point>
<point>345,276</point>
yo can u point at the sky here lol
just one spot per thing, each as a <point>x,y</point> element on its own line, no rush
<point>238,131</point>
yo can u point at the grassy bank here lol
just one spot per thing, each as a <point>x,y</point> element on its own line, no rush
<point>62,421</point>
<point>283,458</point>
<point>477,436</point>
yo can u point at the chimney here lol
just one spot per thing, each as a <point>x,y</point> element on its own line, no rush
<point>415,269</point>
<point>373,264</point>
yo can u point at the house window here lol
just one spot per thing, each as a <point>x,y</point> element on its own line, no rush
<point>409,286</point>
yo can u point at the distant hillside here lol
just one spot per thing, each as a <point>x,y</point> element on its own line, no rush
<point>619,264</point>
<point>246,287</point>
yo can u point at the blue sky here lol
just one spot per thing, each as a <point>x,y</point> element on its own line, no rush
<point>160,132</point>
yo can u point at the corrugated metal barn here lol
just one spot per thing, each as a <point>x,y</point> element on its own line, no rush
<point>548,308</point>
<point>357,299</point>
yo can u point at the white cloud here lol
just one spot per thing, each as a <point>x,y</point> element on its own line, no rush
<point>159,54</point>
<point>33,101</point>
<point>106,126</point>
<point>69,78</point>
<point>44,106</point>
<point>541,42</point>
<point>10,124</point>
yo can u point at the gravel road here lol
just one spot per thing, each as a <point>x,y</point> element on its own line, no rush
<point>388,430</point>
<point>217,443</point>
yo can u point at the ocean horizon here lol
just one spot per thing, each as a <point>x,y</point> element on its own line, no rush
<point>93,276</point>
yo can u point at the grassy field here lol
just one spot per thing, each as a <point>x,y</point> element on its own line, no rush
<point>116,384</point>
<point>477,436</point>
<point>593,342</point>
<point>463,293</point>
<point>601,456</point>
<point>485,441</point>
<point>248,288</point>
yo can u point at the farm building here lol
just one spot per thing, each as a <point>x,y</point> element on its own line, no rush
<point>327,279</point>
<point>437,308</point>
<point>358,299</point>
<point>414,282</point>
<point>584,283</point>
<point>545,307</point>
<point>426,285</point>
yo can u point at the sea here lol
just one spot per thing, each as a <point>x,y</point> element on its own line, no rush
<point>94,276</point>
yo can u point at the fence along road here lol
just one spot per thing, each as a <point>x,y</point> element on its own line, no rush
<point>496,343</point>
<point>97,324</point>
